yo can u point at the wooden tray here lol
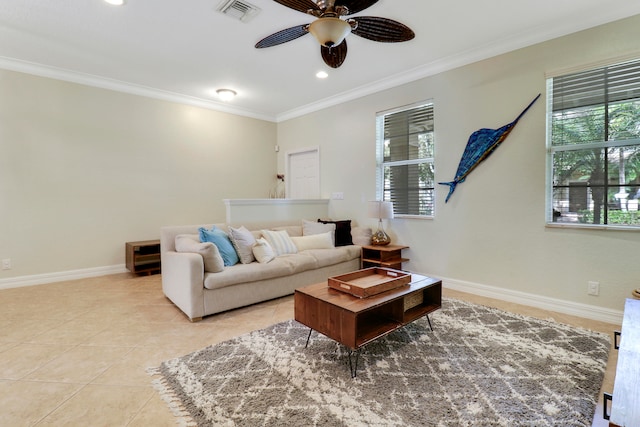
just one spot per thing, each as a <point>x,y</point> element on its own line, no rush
<point>370,281</point>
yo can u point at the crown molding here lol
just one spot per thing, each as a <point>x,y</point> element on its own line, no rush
<point>508,44</point>
<point>124,87</point>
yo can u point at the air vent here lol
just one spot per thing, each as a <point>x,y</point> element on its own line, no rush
<point>240,10</point>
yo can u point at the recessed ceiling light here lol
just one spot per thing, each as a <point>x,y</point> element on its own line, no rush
<point>322,74</point>
<point>226,94</point>
<point>115,2</point>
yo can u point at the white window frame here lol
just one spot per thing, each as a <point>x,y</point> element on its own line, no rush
<point>381,164</point>
<point>604,144</point>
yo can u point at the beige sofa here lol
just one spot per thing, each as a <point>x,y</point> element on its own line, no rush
<point>199,293</point>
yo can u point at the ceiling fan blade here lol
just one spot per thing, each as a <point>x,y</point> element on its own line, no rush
<point>334,56</point>
<point>355,6</point>
<point>382,29</point>
<point>282,36</point>
<point>299,5</point>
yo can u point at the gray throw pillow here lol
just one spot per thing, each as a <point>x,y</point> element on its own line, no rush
<point>243,241</point>
<point>213,262</point>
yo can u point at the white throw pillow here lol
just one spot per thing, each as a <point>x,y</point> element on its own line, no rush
<point>292,230</point>
<point>361,235</point>
<point>263,251</point>
<point>314,241</point>
<point>280,242</point>
<point>243,241</point>
<point>213,262</point>
<point>313,227</point>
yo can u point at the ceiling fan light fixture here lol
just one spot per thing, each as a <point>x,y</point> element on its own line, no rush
<point>226,94</point>
<point>330,31</point>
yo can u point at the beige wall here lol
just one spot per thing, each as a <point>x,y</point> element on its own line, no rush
<point>83,170</point>
<point>492,232</point>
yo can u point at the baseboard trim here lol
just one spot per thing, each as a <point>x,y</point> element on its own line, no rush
<point>552,304</point>
<point>61,276</point>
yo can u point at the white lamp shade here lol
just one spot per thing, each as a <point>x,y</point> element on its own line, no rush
<point>381,210</point>
<point>329,31</point>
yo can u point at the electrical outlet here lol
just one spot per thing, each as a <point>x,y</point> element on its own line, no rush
<point>593,288</point>
<point>337,196</point>
<point>6,264</point>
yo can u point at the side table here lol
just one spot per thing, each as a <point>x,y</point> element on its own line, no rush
<point>143,256</point>
<point>383,256</point>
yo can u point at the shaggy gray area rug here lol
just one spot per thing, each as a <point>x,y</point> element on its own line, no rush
<point>479,367</point>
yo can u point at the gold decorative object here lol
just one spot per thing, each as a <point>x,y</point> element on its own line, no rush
<point>381,210</point>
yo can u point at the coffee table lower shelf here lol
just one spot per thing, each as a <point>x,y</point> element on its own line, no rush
<point>355,322</point>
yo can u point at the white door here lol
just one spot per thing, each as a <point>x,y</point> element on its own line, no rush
<point>303,174</point>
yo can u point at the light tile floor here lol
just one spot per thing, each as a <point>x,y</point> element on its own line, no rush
<point>75,353</point>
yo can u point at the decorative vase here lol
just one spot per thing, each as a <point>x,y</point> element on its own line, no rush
<point>380,238</point>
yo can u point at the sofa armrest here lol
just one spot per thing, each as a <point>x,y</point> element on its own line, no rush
<point>183,281</point>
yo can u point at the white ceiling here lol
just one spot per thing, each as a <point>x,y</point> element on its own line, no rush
<point>182,50</point>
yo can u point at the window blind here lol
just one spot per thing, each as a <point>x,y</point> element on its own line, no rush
<point>608,84</point>
<point>594,146</point>
<point>416,120</point>
<point>406,162</point>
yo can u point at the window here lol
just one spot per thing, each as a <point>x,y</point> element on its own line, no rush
<point>594,146</point>
<point>405,159</point>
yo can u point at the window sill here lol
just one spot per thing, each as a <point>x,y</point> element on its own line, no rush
<point>592,226</point>
<point>397,216</point>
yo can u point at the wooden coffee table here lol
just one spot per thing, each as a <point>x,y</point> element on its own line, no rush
<point>354,321</point>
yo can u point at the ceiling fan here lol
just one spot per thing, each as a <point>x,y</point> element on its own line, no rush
<point>330,30</point>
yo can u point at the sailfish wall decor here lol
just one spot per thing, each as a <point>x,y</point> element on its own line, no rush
<point>481,144</point>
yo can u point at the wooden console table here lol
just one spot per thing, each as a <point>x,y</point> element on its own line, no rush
<point>625,404</point>
<point>354,321</point>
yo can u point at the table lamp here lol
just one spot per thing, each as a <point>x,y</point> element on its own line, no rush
<point>381,210</point>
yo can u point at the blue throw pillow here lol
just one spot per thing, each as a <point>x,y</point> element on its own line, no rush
<point>221,240</point>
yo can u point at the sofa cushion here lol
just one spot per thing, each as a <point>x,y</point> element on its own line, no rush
<point>245,273</point>
<point>343,231</point>
<point>300,262</point>
<point>313,241</point>
<point>262,251</point>
<point>221,240</point>
<point>280,241</point>
<point>325,257</point>
<point>213,261</point>
<point>311,227</point>
<point>242,241</point>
